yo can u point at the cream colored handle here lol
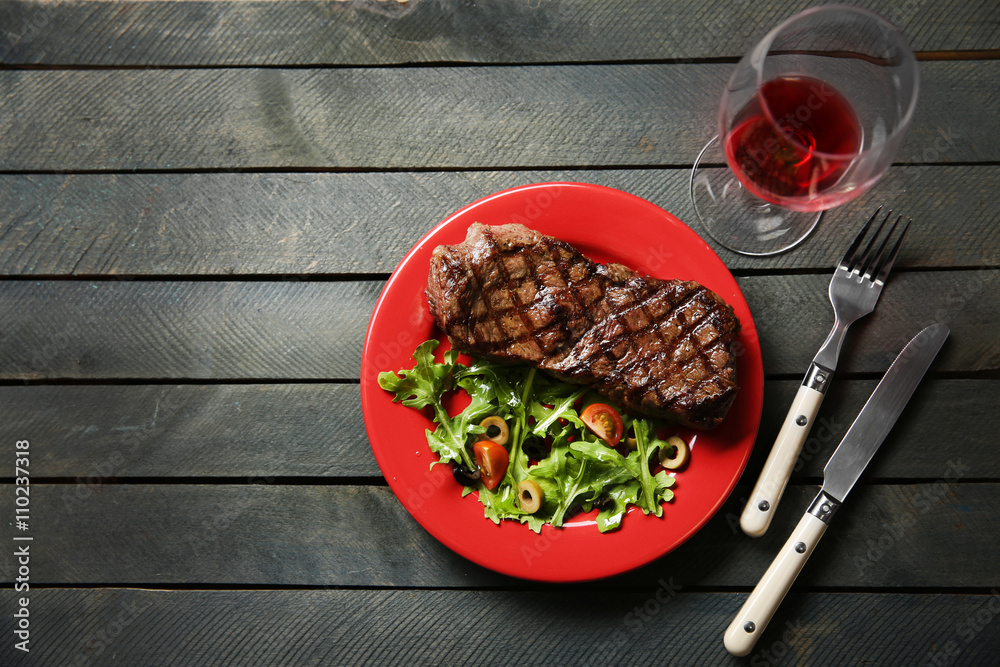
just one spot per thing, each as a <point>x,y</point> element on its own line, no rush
<point>757,611</point>
<point>773,478</point>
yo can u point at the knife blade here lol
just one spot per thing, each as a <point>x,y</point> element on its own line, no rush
<point>842,471</point>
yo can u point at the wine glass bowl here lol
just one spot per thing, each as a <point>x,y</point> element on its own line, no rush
<point>811,118</point>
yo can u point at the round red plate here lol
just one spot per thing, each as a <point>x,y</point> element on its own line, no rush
<point>606,225</point>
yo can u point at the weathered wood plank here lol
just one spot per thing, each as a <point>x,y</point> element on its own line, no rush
<point>654,624</point>
<point>334,535</point>
<point>786,307</point>
<point>340,223</point>
<point>946,422</point>
<point>257,432</point>
<point>94,433</point>
<point>420,118</point>
<point>381,32</point>
<point>315,330</point>
<point>281,329</point>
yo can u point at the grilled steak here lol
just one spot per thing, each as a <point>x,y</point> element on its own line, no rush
<point>655,347</point>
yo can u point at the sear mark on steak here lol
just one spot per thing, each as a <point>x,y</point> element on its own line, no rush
<point>662,348</point>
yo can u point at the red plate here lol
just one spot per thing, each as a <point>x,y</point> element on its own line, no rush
<point>606,225</point>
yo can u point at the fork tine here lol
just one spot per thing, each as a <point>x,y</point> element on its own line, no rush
<point>886,267</point>
<point>849,256</point>
<point>874,260</point>
<point>868,256</point>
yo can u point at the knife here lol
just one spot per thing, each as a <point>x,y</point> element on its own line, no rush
<point>839,476</point>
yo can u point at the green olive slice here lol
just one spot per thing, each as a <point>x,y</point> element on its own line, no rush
<point>630,440</point>
<point>675,454</point>
<point>530,496</point>
<point>496,430</point>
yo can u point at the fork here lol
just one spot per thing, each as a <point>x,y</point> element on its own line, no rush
<point>854,290</point>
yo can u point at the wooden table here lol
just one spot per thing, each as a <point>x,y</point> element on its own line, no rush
<point>201,203</point>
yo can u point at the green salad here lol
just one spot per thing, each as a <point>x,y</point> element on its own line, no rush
<point>537,449</point>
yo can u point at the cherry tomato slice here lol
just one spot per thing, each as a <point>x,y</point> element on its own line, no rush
<point>492,460</point>
<point>604,421</point>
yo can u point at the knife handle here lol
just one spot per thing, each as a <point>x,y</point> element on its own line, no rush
<point>757,611</point>
<point>773,478</point>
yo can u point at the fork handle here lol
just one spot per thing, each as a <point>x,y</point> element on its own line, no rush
<point>770,486</point>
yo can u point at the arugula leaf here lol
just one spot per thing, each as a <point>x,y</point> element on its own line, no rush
<point>499,503</point>
<point>663,484</point>
<point>621,496</point>
<point>598,452</point>
<point>501,380</point>
<point>654,488</point>
<point>562,408</point>
<point>423,386</point>
<point>575,486</point>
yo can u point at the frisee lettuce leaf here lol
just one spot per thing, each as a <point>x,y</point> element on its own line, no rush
<point>578,469</point>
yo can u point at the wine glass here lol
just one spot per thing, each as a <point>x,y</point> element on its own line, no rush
<point>810,119</point>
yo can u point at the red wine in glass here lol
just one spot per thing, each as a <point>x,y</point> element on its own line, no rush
<point>793,140</point>
<point>810,118</point>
